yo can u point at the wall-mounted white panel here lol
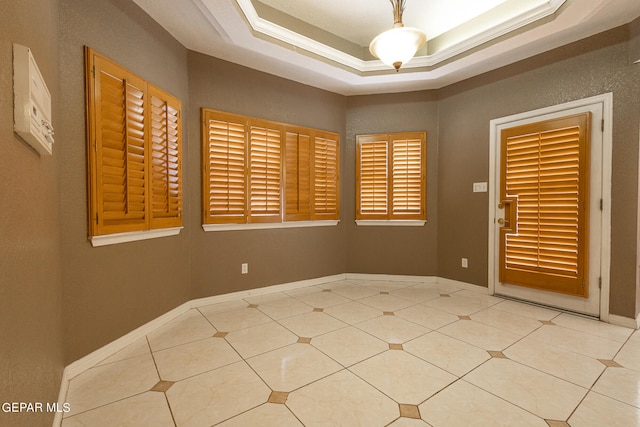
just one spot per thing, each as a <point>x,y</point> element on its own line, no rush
<point>32,102</point>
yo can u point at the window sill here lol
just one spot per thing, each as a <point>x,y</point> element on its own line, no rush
<point>269,225</point>
<point>134,236</point>
<point>392,223</point>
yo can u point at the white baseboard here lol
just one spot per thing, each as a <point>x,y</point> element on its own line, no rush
<point>464,285</point>
<point>265,290</point>
<point>392,278</point>
<point>627,322</point>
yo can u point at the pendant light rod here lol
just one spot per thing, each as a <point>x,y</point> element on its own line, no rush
<point>398,9</point>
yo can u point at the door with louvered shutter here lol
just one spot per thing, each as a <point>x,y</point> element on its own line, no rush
<point>166,159</point>
<point>545,197</point>
<point>325,178</point>
<point>265,167</point>
<point>223,186</point>
<point>119,190</point>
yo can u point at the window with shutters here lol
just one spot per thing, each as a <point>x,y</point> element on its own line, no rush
<point>391,177</point>
<point>262,172</point>
<point>134,157</point>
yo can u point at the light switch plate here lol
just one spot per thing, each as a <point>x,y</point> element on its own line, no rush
<point>479,187</point>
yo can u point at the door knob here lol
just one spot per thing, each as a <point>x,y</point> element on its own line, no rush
<point>501,221</point>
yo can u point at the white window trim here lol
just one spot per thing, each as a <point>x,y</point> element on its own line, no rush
<point>133,236</point>
<point>269,225</point>
<point>392,222</point>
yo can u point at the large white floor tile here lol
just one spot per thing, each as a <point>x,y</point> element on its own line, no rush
<point>294,366</point>
<point>354,292</point>
<point>387,302</point>
<point>629,355</point>
<point>597,410</point>
<point>542,394</point>
<point>267,415</point>
<point>342,399</point>
<point>507,321</point>
<point>402,376</point>
<point>450,354</point>
<point>527,310</point>
<point>217,395</point>
<point>312,324</point>
<point>138,348</point>
<point>322,299</point>
<point>416,293</point>
<point>260,339</point>
<point>108,383</point>
<point>557,361</point>
<point>353,312</point>
<point>146,409</point>
<point>235,320</point>
<point>222,307</point>
<point>458,306</point>
<point>349,345</point>
<point>594,327</point>
<point>186,360</point>
<point>463,404</point>
<point>621,384</point>
<point>480,335</point>
<point>580,342</point>
<point>284,308</point>
<point>392,329</point>
<point>427,316</point>
<point>188,327</point>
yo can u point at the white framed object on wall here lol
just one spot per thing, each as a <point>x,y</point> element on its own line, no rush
<point>32,102</point>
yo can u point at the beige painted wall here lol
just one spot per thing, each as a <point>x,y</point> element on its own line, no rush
<point>109,291</point>
<point>393,250</point>
<point>31,353</point>
<point>274,256</point>
<point>589,67</point>
<point>56,290</point>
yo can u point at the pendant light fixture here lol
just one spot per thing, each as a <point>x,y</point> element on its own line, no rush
<point>395,47</point>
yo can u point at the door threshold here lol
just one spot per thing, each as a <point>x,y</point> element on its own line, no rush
<point>550,307</point>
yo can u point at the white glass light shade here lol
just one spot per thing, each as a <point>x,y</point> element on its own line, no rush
<point>397,46</point>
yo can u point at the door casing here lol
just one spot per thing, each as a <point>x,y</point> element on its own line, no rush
<point>603,179</point>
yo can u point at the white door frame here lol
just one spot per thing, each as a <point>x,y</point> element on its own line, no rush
<point>494,175</point>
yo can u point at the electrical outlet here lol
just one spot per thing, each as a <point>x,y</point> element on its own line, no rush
<point>479,187</point>
<point>245,268</point>
<point>465,263</point>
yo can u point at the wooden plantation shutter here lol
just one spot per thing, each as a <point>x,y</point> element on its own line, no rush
<point>265,165</point>
<point>372,168</point>
<point>408,177</point>
<point>117,165</point>
<point>546,179</point>
<point>297,192</point>
<point>166,159</point>
<point>391,176</point>
<point>223,186</point>
<point>326,189</point>
<point>258,171</point>
<point>311,175</point>
<point>134,142</point>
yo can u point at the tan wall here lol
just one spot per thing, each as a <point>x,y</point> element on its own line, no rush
<point>31,353</point>
<point>109,291</point>
<point>393,250</point>
<point>589,67</point>
<point>274,256</point>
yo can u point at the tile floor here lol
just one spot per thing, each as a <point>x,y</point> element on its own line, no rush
<point>368,353</point>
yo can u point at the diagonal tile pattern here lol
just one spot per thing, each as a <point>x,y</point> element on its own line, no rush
<point>441,361</point>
